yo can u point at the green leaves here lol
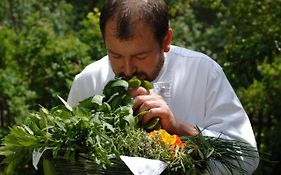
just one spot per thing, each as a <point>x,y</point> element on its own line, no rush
<point>87,128</point>
<point>146,84</point>
<point>18,147</point>
<point>134,82</point>
<point>116,85</point>
<point>65,103</point>
<point>153,124</point>
<point>118,103</point>
<point>100,126</point>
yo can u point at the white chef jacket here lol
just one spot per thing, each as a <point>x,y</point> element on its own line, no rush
<point>194,86</point>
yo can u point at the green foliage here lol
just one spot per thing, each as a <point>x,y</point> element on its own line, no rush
<point>261,101</point>
<point>239,34</point>
<point>15,96</point>
<point>86,128</point>
<point>97,132</point>
<point>51,60</point>
<point>90,34</point>
<point>43,44</point>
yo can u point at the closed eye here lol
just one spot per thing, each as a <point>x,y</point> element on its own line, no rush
<point>140,57</point>
<point>113,55</point>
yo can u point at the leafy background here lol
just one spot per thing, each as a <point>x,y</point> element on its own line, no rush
<point>43,44</point>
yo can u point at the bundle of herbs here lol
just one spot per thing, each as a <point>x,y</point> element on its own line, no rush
<point>105,125</point>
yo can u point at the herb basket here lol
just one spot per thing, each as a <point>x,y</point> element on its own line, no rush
<point>81,165</point>
<point>103,125</point>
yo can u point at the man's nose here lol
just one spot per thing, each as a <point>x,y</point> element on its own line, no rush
<point>129,67</point>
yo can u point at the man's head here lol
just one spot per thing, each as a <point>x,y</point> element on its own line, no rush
<point>136,35</point>
<point>128,13</point>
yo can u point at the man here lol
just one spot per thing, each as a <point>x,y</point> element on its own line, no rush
<point>190,89</point>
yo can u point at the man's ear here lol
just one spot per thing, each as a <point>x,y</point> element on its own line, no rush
<point>168,40</point>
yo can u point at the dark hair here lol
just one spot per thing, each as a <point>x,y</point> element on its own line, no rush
<point>127,13</point>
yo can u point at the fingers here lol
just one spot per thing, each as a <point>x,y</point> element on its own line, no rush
<point>152,113</point>
<point>155,106</point>
<point>138,91</point>
<point>145,102</point>
<point>164,114</point>
<point>150,105</point>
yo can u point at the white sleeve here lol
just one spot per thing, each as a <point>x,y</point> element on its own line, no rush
<point>90,81</point>
<point>83,86</point>
<point>226,118</point>
<point>74,95</point>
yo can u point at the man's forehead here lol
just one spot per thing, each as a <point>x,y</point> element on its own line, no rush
<point>135,29</point>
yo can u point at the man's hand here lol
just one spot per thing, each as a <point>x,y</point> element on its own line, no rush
<point>156,106</point>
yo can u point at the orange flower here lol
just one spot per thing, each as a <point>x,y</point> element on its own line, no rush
<point>168,139</point>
